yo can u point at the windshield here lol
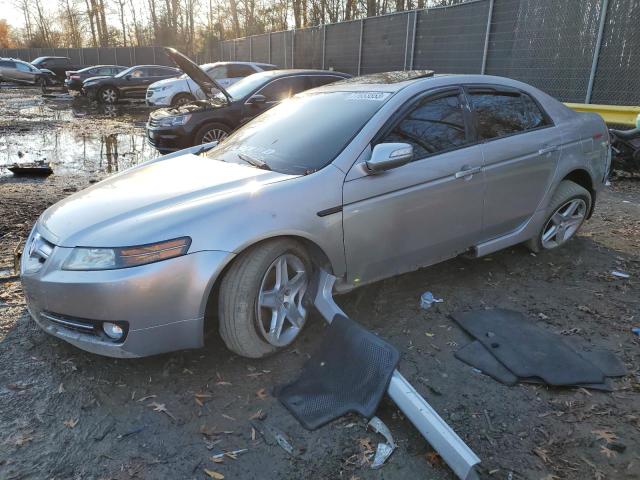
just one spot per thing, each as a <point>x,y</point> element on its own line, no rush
<point>244,87</point>
<point>303,134</point>
<point>125,72</point>
<point>205,66</point>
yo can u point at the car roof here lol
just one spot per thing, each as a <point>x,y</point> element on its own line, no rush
<point>153,66</point>
<point>241,63</point>
<point>300,71</point>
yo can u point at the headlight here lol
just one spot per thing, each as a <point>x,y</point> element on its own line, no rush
<point>173,121</point>
<point>159,89</point>
<point>84,258</point>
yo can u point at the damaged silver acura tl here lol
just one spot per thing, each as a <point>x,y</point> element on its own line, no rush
<point>366,178</point>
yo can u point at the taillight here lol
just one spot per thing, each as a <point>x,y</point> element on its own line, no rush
<point>75,77</point>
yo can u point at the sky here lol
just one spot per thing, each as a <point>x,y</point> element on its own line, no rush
<point>14,17</point>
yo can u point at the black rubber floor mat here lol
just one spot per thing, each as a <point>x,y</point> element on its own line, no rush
<point>475,355</point>
<point>526,349</point>
<point>350,372</point>
<point>605,360</point>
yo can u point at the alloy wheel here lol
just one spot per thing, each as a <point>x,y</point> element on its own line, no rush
<point>564,223</point>
<point>109,95</point>
<point>213,135</point>
<point>280,313</point>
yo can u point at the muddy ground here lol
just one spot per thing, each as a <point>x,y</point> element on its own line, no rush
<point>66,414</point>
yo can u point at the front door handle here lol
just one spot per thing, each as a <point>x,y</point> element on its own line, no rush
<point>467,172</point>
<point>546,150</point>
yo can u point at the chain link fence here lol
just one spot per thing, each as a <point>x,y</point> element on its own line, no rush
<point>125,56</point>
<point>576,50</point>
<point>585,51</point>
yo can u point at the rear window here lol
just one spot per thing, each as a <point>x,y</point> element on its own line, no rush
<point>500,114</point>
<point>324,122</point>
<point>238,71</point>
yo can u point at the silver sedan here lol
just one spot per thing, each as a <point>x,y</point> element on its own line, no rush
<point>366,178</point>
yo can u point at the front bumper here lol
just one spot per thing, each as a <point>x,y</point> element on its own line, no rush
<point>158,98</point>
<point>168,139</point>
<point>162,304</point>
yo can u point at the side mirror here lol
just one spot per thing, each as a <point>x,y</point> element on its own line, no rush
<point>386,156</point>
<point>257,100</point>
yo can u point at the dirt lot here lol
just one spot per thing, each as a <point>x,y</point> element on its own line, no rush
<point>66,414</point>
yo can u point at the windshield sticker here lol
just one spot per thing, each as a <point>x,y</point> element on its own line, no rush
<point>373,96</point>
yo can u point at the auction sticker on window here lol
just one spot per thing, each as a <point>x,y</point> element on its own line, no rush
<point>373,96</point>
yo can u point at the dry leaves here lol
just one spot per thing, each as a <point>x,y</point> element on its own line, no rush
<point>71,423</point>
<point>434,459</point>
<point>160,407</point>
<point>200,397</point>
<point>262,394</point>
<point>607,452</point>
<point>213,474</point>
<point>606,435</point>
<point>543,454</point>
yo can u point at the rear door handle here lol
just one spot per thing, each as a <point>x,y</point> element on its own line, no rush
<point>467,172</point>
<point>546,150</point>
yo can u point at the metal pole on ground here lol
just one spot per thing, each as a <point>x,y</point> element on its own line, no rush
<point>324,44</point>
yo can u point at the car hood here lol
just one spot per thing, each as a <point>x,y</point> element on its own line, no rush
<point>130,208</point>
<point>168,82</point>
<point>208,85</point>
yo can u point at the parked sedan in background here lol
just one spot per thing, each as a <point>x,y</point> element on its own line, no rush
<point>75,78</point>
<point>130,83</point>
<point>18,71</point>
<point>58,65</point>
<point>366,178</point>
<point>205,121</point>
<point>178,91</point>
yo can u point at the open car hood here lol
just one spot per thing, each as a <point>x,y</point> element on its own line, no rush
<point>196,74</point>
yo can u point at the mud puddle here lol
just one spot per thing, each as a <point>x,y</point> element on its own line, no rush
<point>76,136</point>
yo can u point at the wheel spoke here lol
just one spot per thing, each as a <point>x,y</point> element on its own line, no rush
<point>550,233</point>
<point>282,276</point>
<point>268,299</point>
<point>294,315</point>
<point>573,206</point>
<point>557,218</point>
<point>297,282</point>
<point>277,322</point>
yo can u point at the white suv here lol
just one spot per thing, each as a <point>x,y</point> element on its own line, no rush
<point>181,90</point>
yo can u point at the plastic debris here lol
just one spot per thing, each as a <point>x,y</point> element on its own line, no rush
<point>427,299</point>
<point>618,274</point>
<point>384,450</point>
<point>636,330</point>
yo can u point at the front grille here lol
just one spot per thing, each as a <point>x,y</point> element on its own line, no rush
<point>72,323</point>
<point>150,92</point>
<point>36,253</point>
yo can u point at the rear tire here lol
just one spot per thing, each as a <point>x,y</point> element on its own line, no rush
<point>567,211</point>
<point>259,309</point>
<point>211,132</point>
<point>182,99</point>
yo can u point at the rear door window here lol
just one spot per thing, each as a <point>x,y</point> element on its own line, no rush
<point>500,114</point>
<point>22,67</point>
<point>239,71</point>
<point>324,80</point>
<point>283,88</point>
<point>434,125</point>
<point>218,73</point>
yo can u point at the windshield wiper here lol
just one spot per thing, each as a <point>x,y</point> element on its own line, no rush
<point>253,161</point>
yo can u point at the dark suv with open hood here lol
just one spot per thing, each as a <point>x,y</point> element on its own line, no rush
<point>205,121</point>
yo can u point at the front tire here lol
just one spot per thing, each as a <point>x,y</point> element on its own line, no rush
<point>260,301</point>
<point>211,132</point>
<point>108,95</point>
<point>182,99</point>
<point>567,211</point>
